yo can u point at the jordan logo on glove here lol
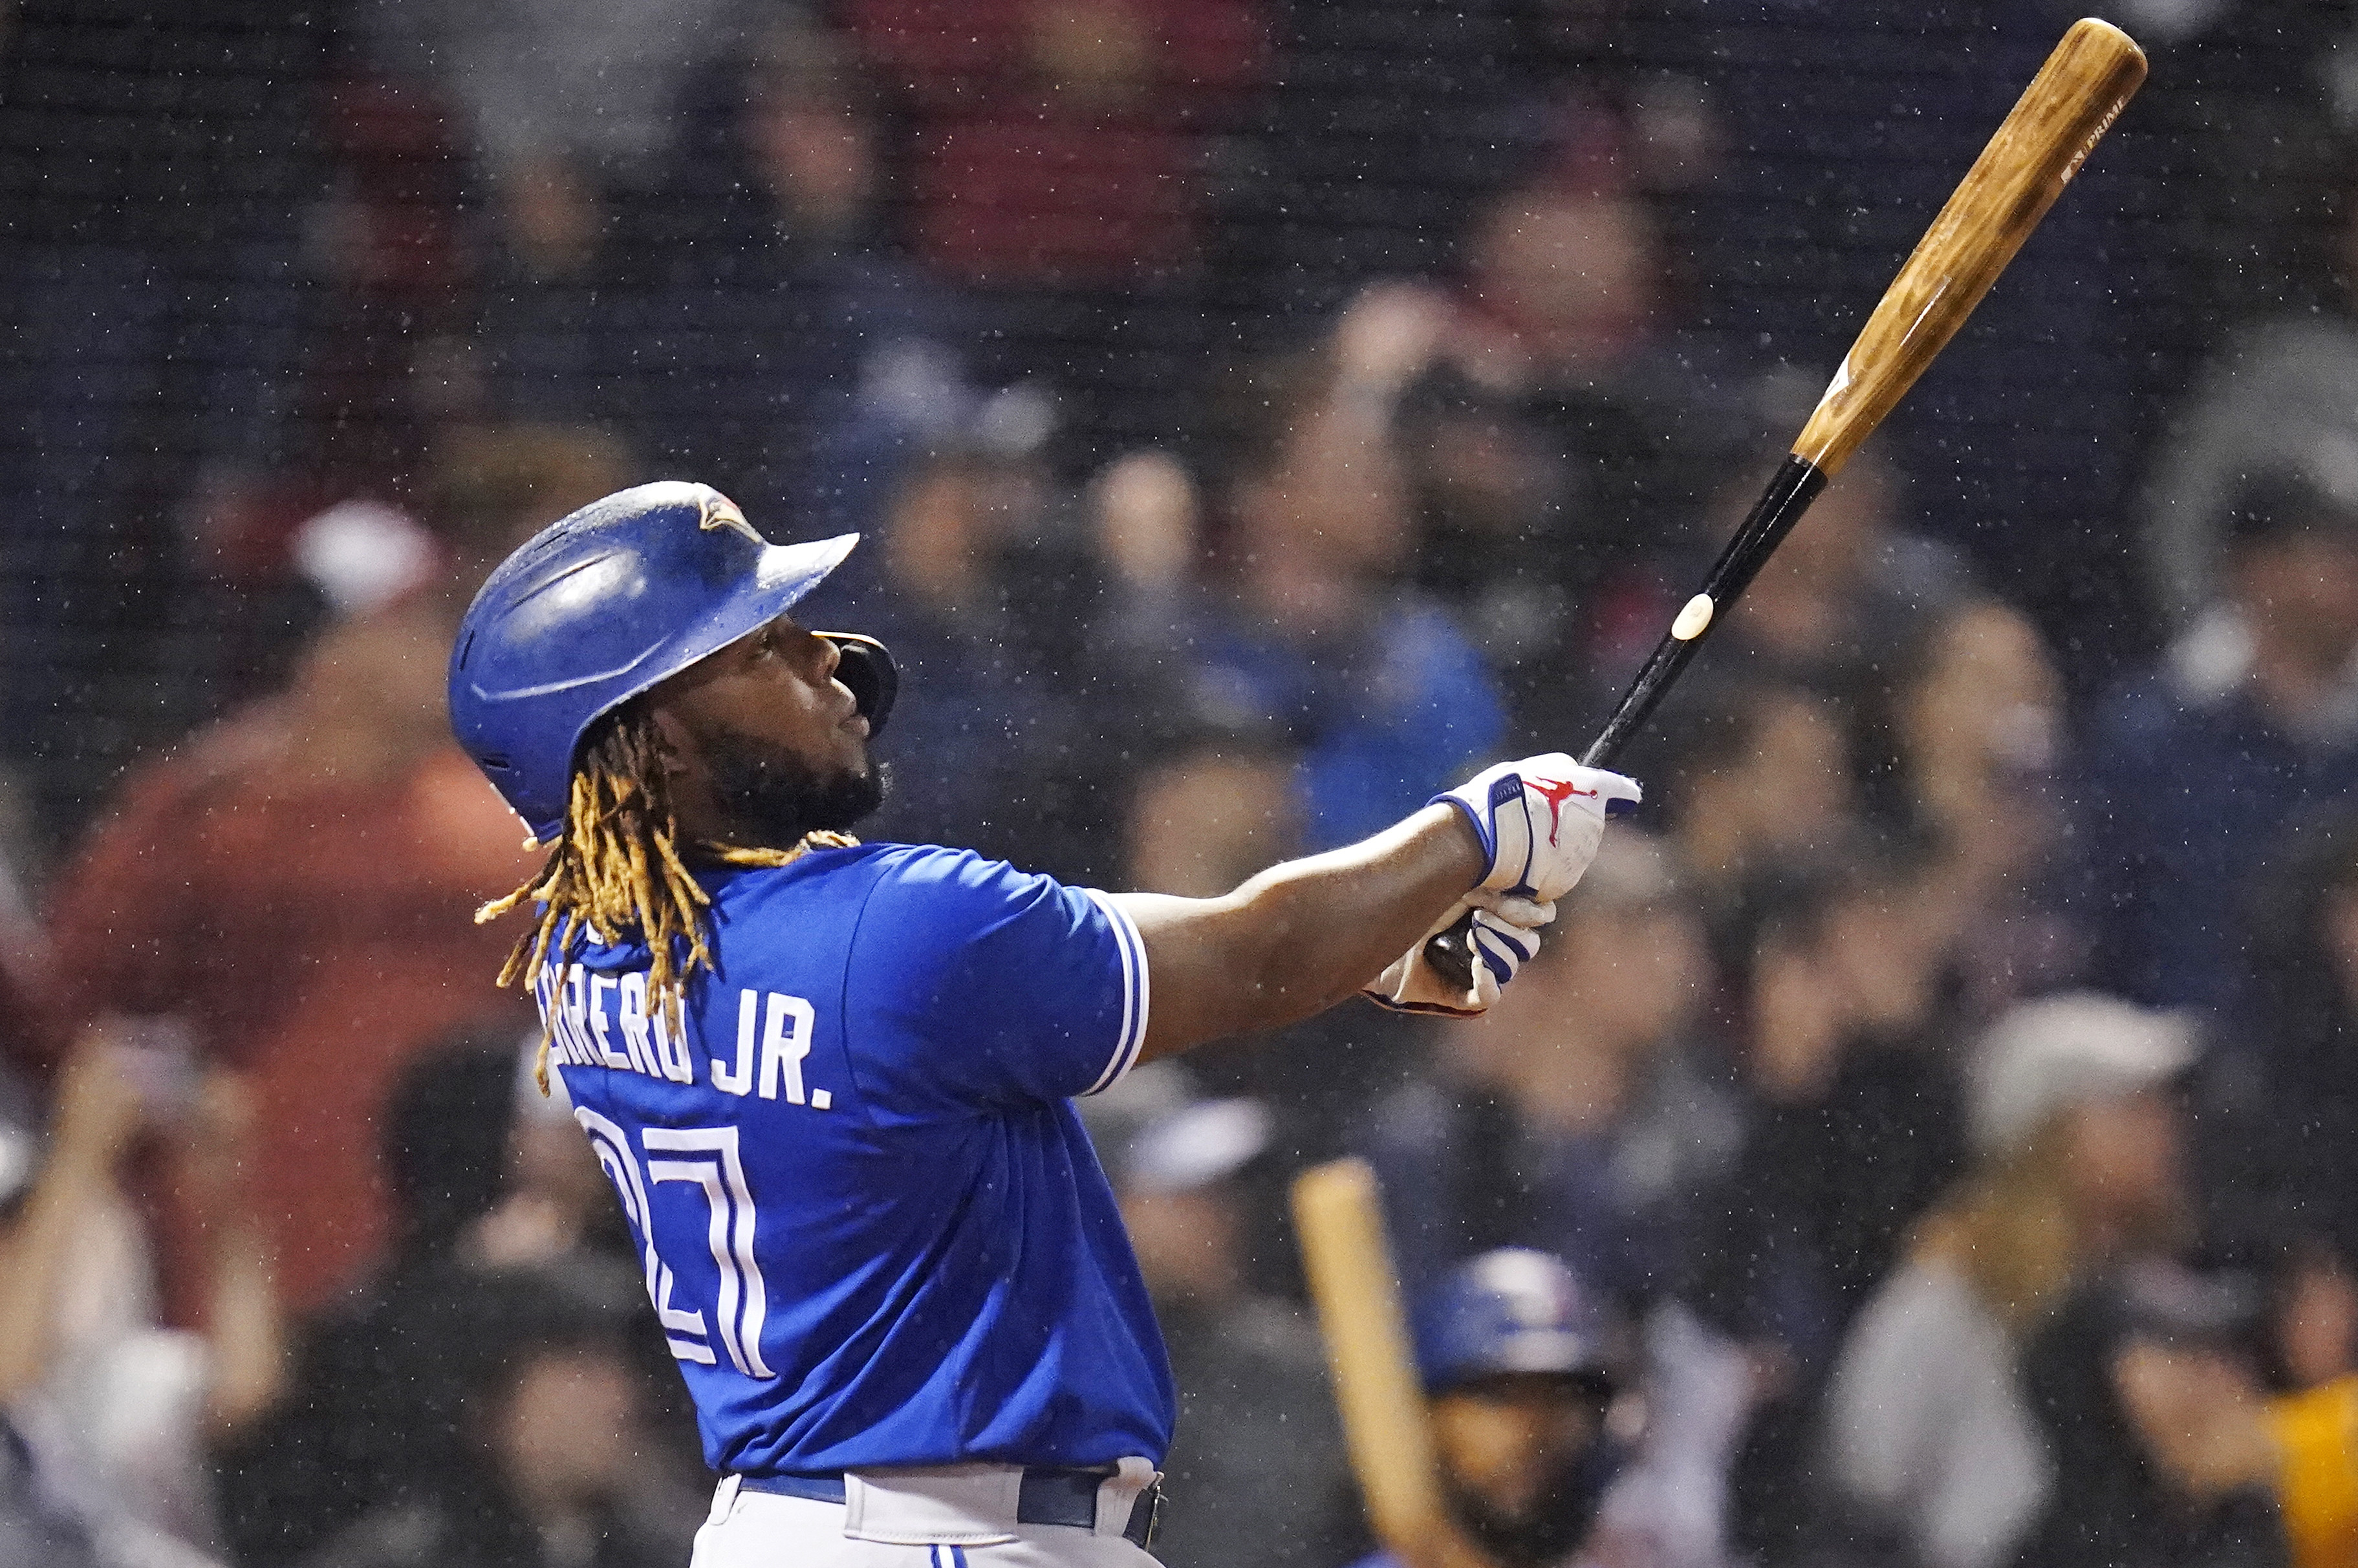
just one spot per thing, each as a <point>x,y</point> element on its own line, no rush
<point>1555,792</point>
<point>1502,805</point>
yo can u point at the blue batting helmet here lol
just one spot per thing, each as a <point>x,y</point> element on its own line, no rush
<point>1513,1310</point>
<point>602,604</point>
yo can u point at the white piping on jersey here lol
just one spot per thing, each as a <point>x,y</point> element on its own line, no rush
<point>1134,993</point>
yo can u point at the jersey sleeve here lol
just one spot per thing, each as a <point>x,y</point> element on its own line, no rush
<point>987,986</point>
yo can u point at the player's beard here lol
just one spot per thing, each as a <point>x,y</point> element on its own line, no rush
<point>772,798</point>
<point>1556,1525</point>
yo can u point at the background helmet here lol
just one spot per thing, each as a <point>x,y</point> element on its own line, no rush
<point>1514,1310</point>
<point>604,604</point>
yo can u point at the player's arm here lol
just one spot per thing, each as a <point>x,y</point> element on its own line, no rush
<point>1304,935</point>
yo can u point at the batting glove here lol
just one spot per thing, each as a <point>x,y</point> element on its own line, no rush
<point>1540,821</point>
<point>1506,938</point>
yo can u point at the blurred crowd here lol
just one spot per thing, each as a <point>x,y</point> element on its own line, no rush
<point>1929,1136</point>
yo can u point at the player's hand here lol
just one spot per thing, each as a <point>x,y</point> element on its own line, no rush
<point>1540,821</point>
<point>1506,934</point>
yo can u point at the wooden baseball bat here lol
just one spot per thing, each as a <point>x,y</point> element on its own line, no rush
<point>1339,1218</point>
<point>2068,106</point>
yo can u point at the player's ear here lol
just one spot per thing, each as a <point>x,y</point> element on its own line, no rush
<point>675,741</point>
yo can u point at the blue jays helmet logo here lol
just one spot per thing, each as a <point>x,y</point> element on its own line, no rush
<point>720,511</point>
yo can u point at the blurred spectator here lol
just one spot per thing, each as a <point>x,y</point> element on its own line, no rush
<point>1578,1112</point>
<point>1216,802</point>
<point>1062,142</point>
<point>547,325</point>
<point>1213,812</point>
<point>2280,397</point>
<point>370,1413</point>
<point>2314,1330</point>
<point>2295,1158</point>
<point>1616,85</point>
<point>1563,436</point>
<point>375,1416</point>
<point>31,1042</point>
<point>383,360</point>
<point>555,1205</point>
<point>2156,1425</point>
<point>2256,729</point>
<point>32,1527</point>
<point>768,343</point>
<point>1256,1421</point>
<point>1751,773</point>
<point>985,599</point>
<point>1970,728</point>
<point>1216,794</point>
<point>296,885</point>
<point>1389,122</point>
<point>105,1411</point>
<point>589,86</point>
<point>1858,1123</point>
<point>1565,310</point>
<point>1931,1429</point>
<point>1853,1128</point>
<point>1060,164</point>
<point>1307,628</point>
<point>1847,590</point>
<point>1490,492</point>
<point>556,1462</point>
<point>36,1525</point>
<point>1147,526</point>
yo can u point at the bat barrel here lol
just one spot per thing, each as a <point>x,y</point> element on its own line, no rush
<point>2065,111</point>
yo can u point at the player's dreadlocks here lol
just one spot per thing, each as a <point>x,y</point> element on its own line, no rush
<point>617,872</point>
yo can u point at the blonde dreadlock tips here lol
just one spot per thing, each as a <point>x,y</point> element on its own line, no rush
<point>616,871</point>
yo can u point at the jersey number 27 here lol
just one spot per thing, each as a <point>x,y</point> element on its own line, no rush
<point>705,1158</point>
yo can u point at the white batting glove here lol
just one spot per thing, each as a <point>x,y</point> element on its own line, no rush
<point>1506,938</point>
<point>1541,820</point>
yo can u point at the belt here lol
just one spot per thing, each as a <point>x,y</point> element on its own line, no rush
<point>1048,1495</point>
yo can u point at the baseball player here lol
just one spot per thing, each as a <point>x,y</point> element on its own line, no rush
<point>1522,1365</point>
<point>832,1081</point>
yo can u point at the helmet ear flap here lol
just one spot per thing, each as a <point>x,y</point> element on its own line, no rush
<point>866,669</point>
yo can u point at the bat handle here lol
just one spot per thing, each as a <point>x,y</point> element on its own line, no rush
<point>1796,484</point>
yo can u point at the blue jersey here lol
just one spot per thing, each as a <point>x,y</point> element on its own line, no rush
<point>872,1228</point>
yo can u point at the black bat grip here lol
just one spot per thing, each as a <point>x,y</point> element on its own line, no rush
<point>1796,484</point>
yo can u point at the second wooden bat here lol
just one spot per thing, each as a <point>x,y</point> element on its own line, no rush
<point>1338,1214</point>
<point>2067,108</point>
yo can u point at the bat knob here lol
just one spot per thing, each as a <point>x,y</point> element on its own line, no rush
<point>1451,953</point>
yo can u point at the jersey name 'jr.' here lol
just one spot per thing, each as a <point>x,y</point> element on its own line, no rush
<point>601,1021</point>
